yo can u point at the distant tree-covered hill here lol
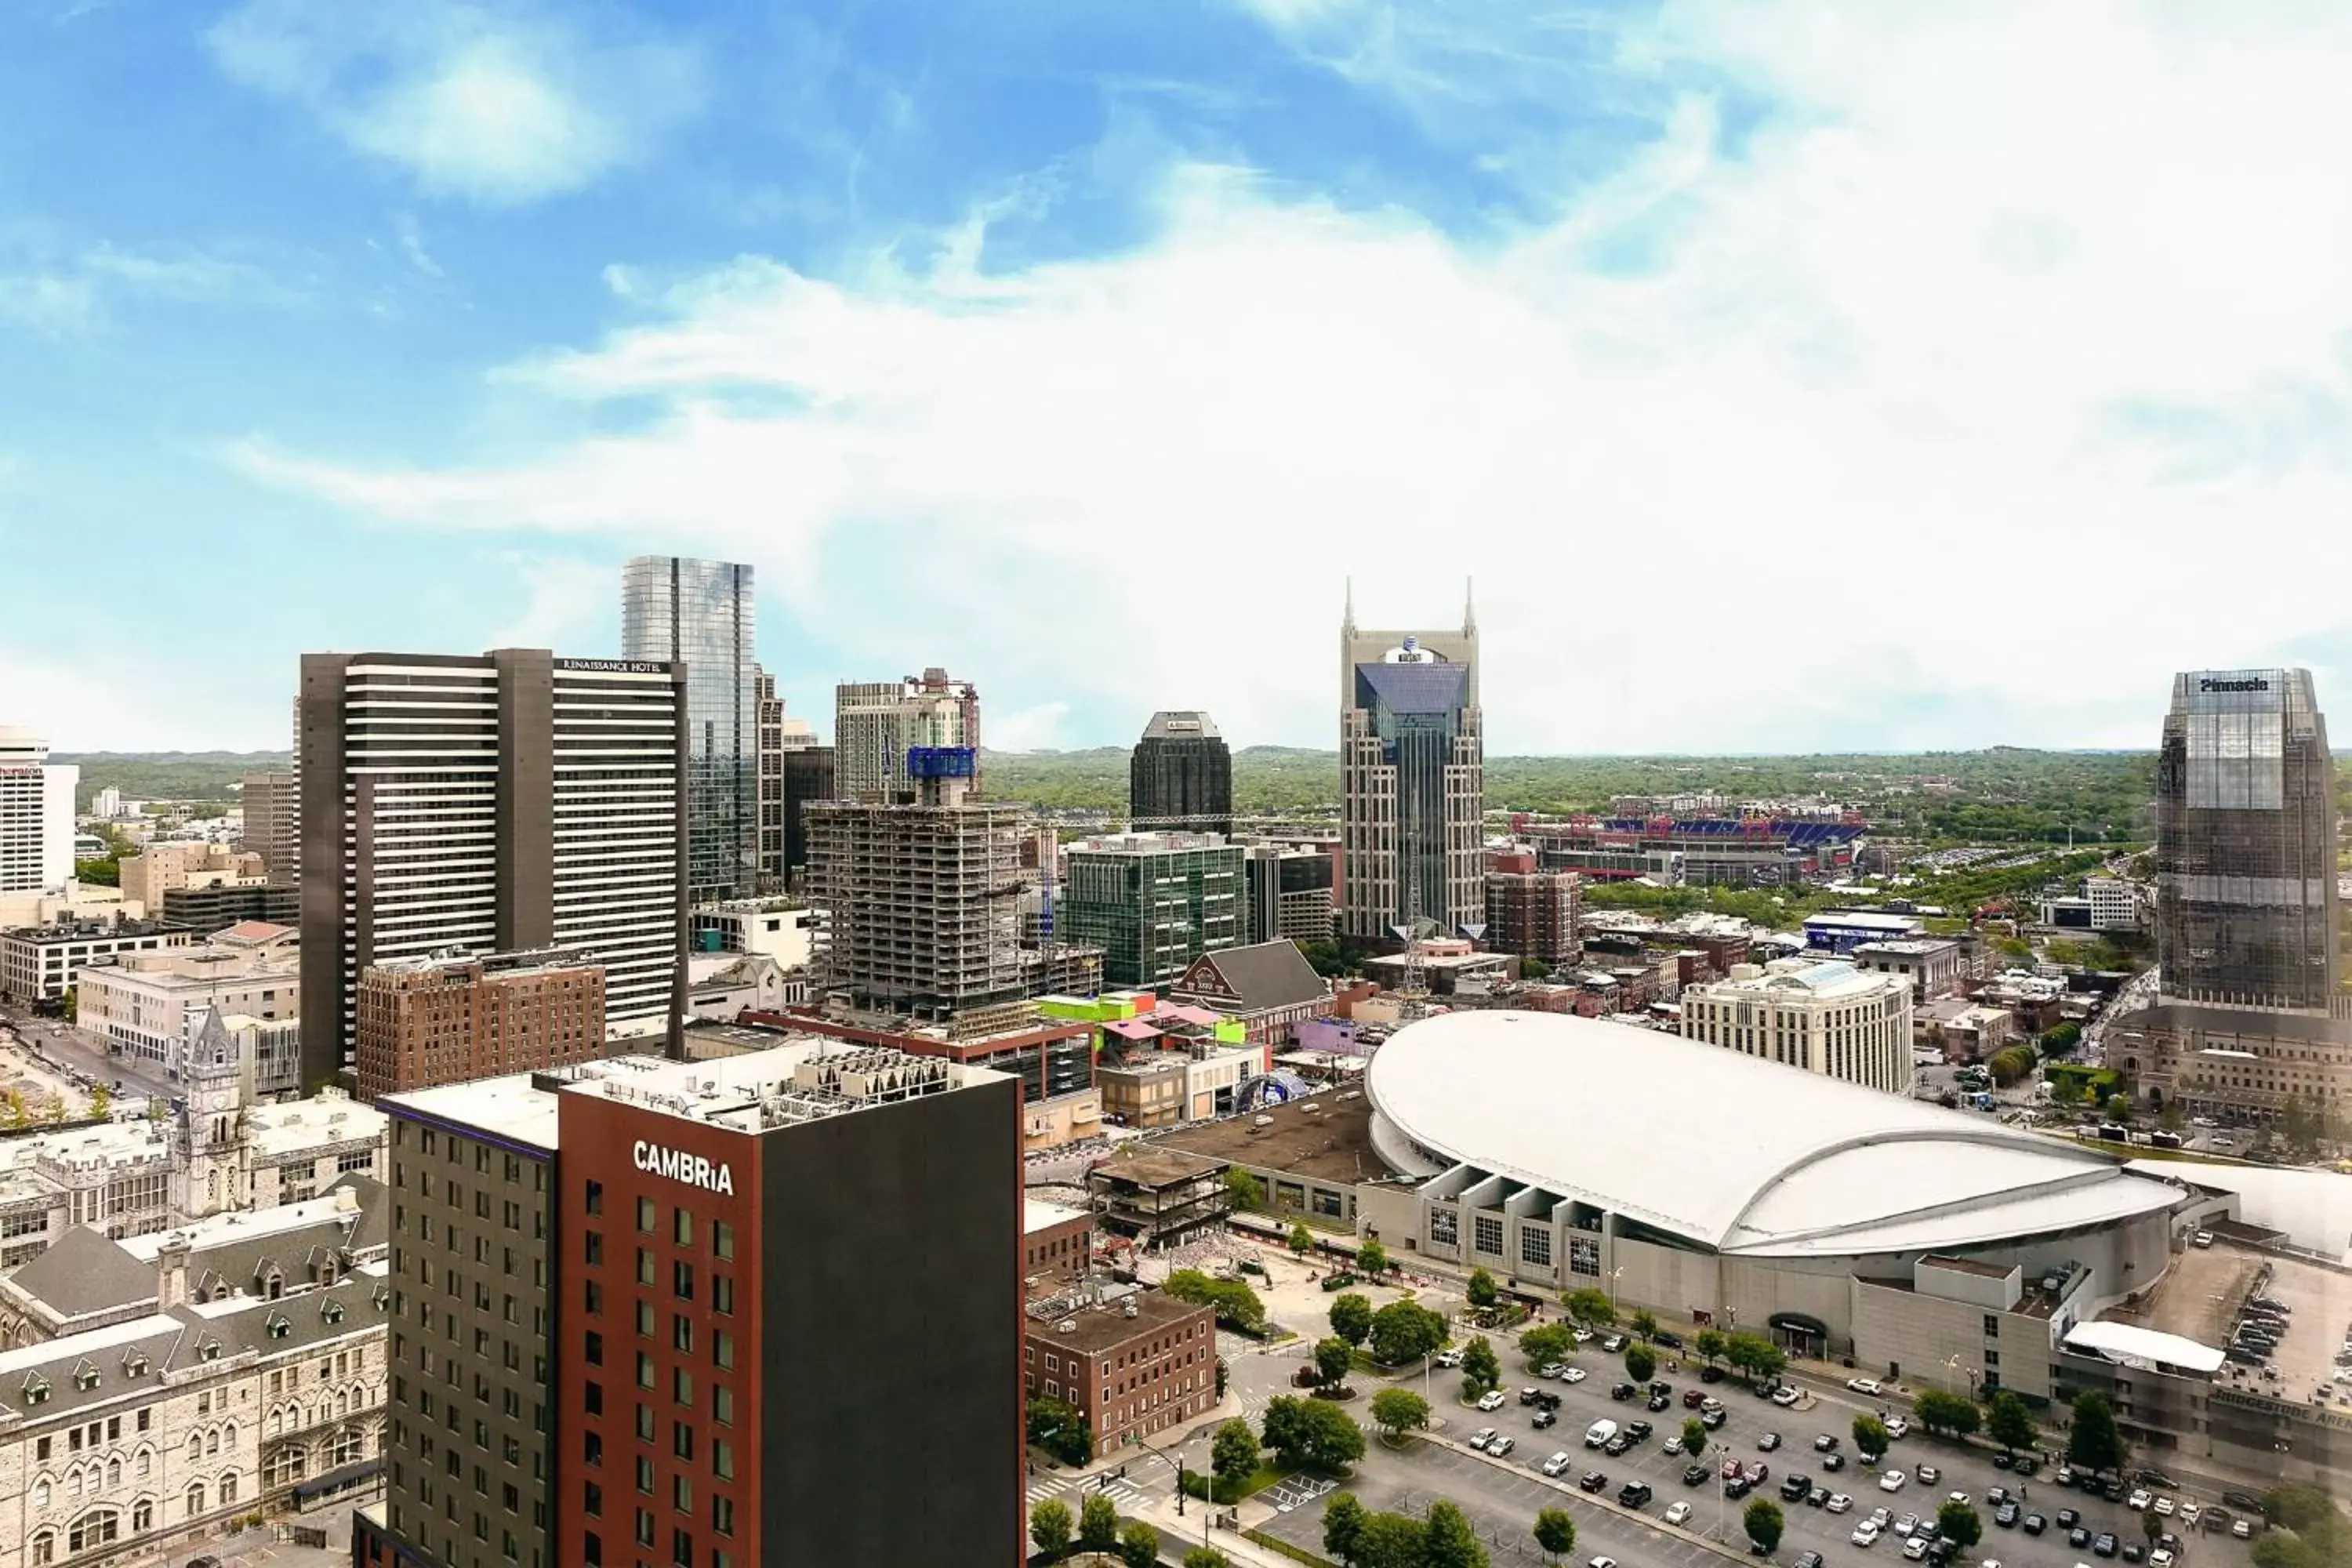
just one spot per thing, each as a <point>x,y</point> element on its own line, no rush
<point>168,776</point>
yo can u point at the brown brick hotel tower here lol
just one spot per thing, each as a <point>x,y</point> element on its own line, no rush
<point>790,1321</point>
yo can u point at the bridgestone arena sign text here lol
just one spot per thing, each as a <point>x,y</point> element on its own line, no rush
<point>680,1166</point>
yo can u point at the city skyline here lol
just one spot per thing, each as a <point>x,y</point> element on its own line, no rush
<point>470,304</point>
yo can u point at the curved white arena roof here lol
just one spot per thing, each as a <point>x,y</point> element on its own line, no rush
<point>1728,1151</point>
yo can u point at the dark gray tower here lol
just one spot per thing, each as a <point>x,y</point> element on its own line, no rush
<point>1181,776</point>
<point>2245,852</point>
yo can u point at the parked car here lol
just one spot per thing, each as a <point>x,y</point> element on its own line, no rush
<point>1691,1398</point>
<point>1926,1475</point>
<point>1660,1402</point>
<point>1616,1446</point>
<point>1639,1431</point>
<point>1712,1374</point>
<point>1677,1512</point>
<point>2034,1525</point>
<point>2104,1543</point>
<point>1916,1547</point>
<point>1767,1441</point>
<point>2079,1538</point>
<point>1614,1343</point>
<point>1484,1436</point>
<point>1621,1392</point>
<point>1693,1475</point>
<point>1491,1400</point>
<point>1825,1442</point>
<point>1818,1498</point>
<point>1892,1481</point>
<point>1449,1359</point>
<point>2068,1519</point>
<point>1501,1446</point>
<point>1557,1464</point>
<point>1528,1395</point>
<point>1573,1374</point>
<point>1905,1525</point>
<point>1552,1370</point>
<point>1833,1461</point>
<point>1839,1502</point>
<point>1634,1494</point>
<point>1711,1419</point>
<point>1786,1394</point>
<point>1864,1535</point>
<point>1544,1418</point>
<point>1667,1339</point>
<point>1897,1425</point>
<point>2005,1516</point>
<point>1808,1560</point>
<point>1592,1482</point>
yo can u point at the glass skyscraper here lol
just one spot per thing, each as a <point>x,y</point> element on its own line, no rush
<point>2245,854</point>
<point>700,612</point>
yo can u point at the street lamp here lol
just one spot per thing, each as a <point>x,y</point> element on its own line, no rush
<point>1614,1275</point>
<point>1178,1462</point>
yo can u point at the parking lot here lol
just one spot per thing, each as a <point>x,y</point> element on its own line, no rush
<point>1504,1497</point>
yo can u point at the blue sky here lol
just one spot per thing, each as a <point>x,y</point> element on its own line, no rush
<point>1788,375</point>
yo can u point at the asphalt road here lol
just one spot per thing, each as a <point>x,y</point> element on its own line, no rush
<point>1502,1498</point>
<point>86,1054</point>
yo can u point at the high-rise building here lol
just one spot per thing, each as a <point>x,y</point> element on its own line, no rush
<point>737,1348</point>
<point>877,722</point>
<point>494,803</point>
<point>1180,776</point>
<point>2245,849</point>
<point>1152,901</point>
<point>1413,780</point>
<point>1823,1015</point>
<point>273,823</point>
<point>1532,913</point>
<point>36,815</point>
<point>423,1021</point>
<point>923,895</point>
<point>808,777</point>
<point>783,739</point>
<point>474,1270</point>
<point>699,613</point>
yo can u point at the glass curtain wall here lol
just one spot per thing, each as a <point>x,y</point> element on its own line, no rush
<point>701,612</point>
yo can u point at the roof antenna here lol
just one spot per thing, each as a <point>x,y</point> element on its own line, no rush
<point>1347,621</point>
<point>1469,611</point>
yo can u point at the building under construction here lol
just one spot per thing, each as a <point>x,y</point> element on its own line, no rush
<point>924,892</point>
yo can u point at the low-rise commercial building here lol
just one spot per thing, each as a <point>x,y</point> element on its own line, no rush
<point>164,866</point>
<point>1843,930</point>
<point>2240,1064</point>
<point>1154,1088</point>
<point>428,1021</point>
<point>152,1004</point>
<point>1056,1241</point>
<point>1132,1363</point>
<point>40,964</point>
<point>214,906</point>
<point>1269,987</point>
<point>1827,1017</point>
<point>1934,965</point>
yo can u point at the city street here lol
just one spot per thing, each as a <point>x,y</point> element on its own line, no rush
<point>54,1040</point>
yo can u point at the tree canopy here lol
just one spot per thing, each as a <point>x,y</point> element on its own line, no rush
<point>1555,1531</point>
<point>1482,1290</point>
<point>2009,1423</point>
<point>1397,1411</point>
<point>1051,1526</point>
<point>1952,1414</point>
<point>1764,1522</point>
<point>1481,1368</point>
<point>1312,1433</point>
<point>1590,1306</point>
<point>1403,1331</point>
<point>1351,1317</point>
<point>1237,1306</point>
<point>2093,1442</point>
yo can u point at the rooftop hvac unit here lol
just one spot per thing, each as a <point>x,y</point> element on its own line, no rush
<point>1069,1327</point>
<point>1262,1122</point>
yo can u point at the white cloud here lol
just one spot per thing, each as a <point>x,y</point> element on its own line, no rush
<point>480,102</point>
<point>566,603</point>
<point>46,302</point>
<point>61,292</point>
<point>2000,372</point>
<point>412,245</point>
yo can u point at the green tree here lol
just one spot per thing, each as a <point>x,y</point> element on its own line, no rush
<point>1311,1433</point>
<point>1403,1331</point>
<point>1397,1411</point>
<point>1237,1306</point>
<point>1481,1368</point>
<point>1763,1521</point>
<point>2151,1525</point>
<point>1590,1306</point>
<point>1244,1190</point>
<point>1351,1317</point>
<point>1870,1437</point>
<point>102,1102</point>
<point>1694,1436</point>
<point>1344,1519</point>
<point>1232,1453</point>
<point>1641,1363</point>
<point>1061,1431</point>
<point>1952,1414</point>
<point>2094,1443</point>
<point>1448,1542</point>
<point>2009,1423</point>
<point>1333,1357</point>
<point>1373,1258</point>
<point>1225,1374</point>
<point>1709,1344</point>
<point>1097,1522</point>
<point>1391,1541</point>
<point>1206,1557</point>
<point>1959,1523</point>
<point>2298,1507</point>
<point>1755,1356</point>
<point>2172,1118</point>
<point>1546,1344</point>
<point>1645,1324</point>
<point>1556,1532</point>
<point>1050,1527</point>
<point>2118,1107</point>
<point>1534,968</point>
<point>1482,1292</point>
<point>1302,1240</point>
<point>1138,1545</point>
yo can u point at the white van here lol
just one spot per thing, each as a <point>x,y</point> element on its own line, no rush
<point>1600,1432</point>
